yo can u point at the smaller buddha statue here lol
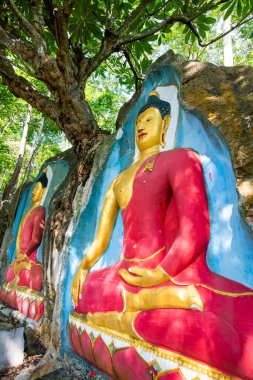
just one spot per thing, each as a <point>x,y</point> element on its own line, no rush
<point>24,276</point>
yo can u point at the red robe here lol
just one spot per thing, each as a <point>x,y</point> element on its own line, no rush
<point>31,236</point>
<point>169,209</point>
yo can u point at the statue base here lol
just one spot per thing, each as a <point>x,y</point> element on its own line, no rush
<point>120,356</point>
<point>27,301</point>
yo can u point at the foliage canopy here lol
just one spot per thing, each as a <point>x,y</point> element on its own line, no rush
<point>50,49</point>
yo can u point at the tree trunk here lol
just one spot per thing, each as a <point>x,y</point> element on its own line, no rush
<point>11,185</point>
<point>227,43</point>
<point>39,138</point>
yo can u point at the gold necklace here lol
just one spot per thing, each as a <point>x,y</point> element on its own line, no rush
<point>150,164</point>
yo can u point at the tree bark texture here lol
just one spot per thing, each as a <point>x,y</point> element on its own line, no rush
<point>30,166</point>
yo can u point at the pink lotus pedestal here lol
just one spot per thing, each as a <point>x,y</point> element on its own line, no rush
<point>122,357</point>
<point>27,301</point>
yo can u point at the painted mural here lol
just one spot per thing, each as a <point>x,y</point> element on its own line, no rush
<point>23,285</point>
<point>159,264</point>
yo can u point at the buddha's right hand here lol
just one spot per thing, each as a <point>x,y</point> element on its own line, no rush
<point>19,258</point>
<point>77,285</point>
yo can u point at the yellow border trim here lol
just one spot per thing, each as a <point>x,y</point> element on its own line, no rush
<point>221,292</point>
<point>146,259</point>
<point>24,290</point>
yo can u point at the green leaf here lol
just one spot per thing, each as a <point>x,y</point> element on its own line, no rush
<point>187,36</point>
<point>147,47</point>
<point>207,20</point>
<point>96,31</point>
<point>239,8</point>
<point>225,6</point>
<point>202,33</point>
<point>230,10</point>
<point>152,38</point>
<point>203,26</point>
<point>245,8</point>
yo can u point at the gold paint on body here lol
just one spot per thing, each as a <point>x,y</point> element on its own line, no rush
<point>123,322</point>
<point>123,184</point>
<point>146,299</point>
<point>167,297</point>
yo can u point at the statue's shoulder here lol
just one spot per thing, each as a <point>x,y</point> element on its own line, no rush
<point>40,210</point>
<point>180,158</point>
<point>180,153</point>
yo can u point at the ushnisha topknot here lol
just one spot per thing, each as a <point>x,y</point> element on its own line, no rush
<point>43,180</point>
<point>155,101</point>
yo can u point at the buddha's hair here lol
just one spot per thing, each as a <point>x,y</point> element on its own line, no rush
<point>43,180</point>
<point>155,102</point>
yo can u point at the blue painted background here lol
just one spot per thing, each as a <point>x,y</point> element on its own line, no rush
<point>60,170</point>
<point>231,245</point>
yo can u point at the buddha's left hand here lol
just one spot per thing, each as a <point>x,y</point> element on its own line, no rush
<point>144,277</point>
<point>21,257</point>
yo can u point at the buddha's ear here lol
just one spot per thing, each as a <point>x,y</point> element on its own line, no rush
<point>165,125</point>
<point>43,192</point>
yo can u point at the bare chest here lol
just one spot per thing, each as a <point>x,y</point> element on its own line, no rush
<point>123,187</point>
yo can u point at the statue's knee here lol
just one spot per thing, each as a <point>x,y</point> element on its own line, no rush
<point>202,335</point>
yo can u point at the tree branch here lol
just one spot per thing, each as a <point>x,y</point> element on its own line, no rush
<point>49,16</point>
<point>38,19</point>
<point>61,24</point>
<point>157,10</point>
<point>108,46</point>
<point>21,19</point>
<point>243,21</point>
<point>240,23</point>
<point>186,6</point>
<point>195,32</point>
<point>140,36</point>
<point>44,66</point>
<point>136,76</point>
<point>68,7</point>
<point>207,7</point>
<point>133,17</point>
<point>22,88</point>
<point>24,69</point>
<point>9,39</point>
<point>187,20</point>
<point>167,20</point>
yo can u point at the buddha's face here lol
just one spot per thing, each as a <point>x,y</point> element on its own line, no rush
<point>150,128</point>
<point>38,192</point>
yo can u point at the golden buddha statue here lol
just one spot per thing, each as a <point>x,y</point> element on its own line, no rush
<point>161,291</point>
<point>151,129</point>
<point>24,275</point>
